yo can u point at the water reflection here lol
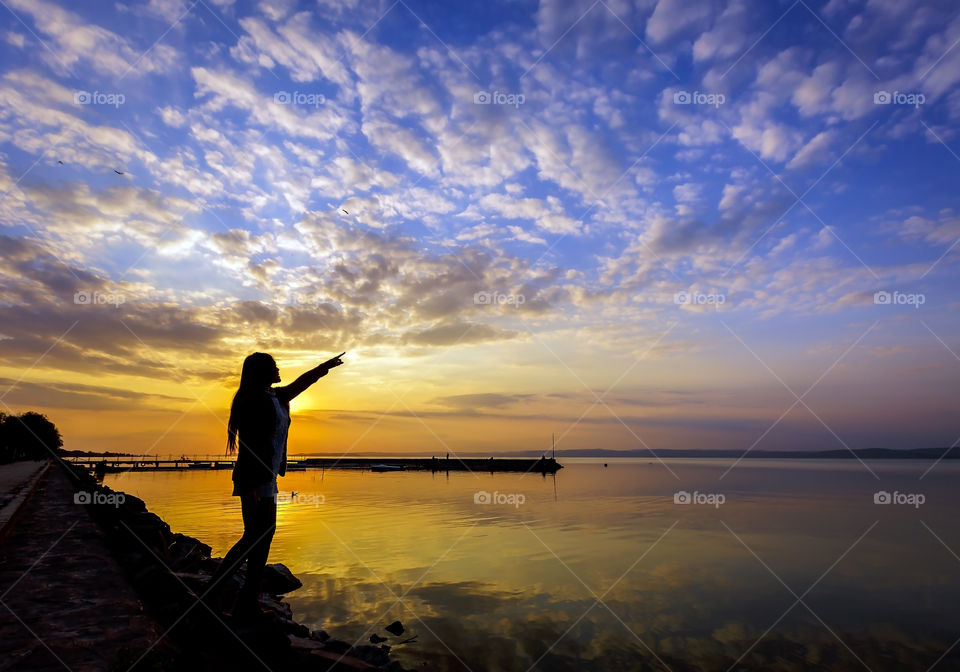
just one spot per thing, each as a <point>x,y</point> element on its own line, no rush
<point>500,587</point>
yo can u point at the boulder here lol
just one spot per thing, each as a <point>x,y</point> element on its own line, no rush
<point>277,579</point>
<point>186,553</point>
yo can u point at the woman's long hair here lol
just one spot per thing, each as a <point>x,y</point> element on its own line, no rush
<point>256,375</point>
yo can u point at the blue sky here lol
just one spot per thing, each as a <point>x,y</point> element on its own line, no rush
<point>320,176</point>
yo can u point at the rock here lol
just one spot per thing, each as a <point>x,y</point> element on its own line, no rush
<point>263,636</point>
<point>283,609</point>
<point>156,583</point>
<point>209,565</point>
<point>186,553</point>
<point>147,529</point>
<point>134,504</point>
<point>304,643</point>
<point>395,628</point>
<point>277,579</point>
<point>296,630</point>
<point>319,635</point>
<point>376,639</point>
<point>336,645</point>
<point>370,654</point>
<point>194,581</point>
<point>339,660</point>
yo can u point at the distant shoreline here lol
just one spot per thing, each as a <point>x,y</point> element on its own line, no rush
<point>841,453</point>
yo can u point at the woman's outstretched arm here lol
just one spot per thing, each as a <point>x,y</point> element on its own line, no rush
<point>288,392</point>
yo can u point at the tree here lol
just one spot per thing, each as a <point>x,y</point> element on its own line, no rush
<point>28,436</point>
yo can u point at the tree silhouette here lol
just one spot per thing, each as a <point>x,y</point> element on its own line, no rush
<point>28,436</point>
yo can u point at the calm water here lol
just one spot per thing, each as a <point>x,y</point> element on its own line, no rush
<point>599,569</point>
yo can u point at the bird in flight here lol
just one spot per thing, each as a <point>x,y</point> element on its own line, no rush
<point>118,172</point>
<point>345,211</point>
<point>60,162</point>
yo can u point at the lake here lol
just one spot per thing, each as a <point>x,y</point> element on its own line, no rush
<point>681,565</point>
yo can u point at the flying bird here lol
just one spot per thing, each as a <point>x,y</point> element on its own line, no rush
<point>60,162</point>
<point>345,211</point>
<point>118,172</point>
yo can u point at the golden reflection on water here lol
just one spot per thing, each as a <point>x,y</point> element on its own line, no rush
<point>497,584</point>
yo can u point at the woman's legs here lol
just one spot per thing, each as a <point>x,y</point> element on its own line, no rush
<point>259,523</point>
<point>264,521</point>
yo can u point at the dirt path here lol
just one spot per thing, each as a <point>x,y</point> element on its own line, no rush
<point>64,603</point>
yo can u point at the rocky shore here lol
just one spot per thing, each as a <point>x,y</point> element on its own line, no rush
<point>168,572</point>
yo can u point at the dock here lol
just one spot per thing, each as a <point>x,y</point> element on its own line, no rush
<point>115,464</point>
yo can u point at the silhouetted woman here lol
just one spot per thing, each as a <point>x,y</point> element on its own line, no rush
<point>259,420</point>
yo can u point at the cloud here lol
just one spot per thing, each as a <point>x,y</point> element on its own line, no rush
<point>727,38</point>
<point>481,400</point>
<point>772,140</point>
<point>401,142</point>
<point>457,333</point>
<point>673,17</point>
<point>548,215</point>
<point>294,46</point>
<point>75,42</point>
<point>172,117</point>
<point>223,89</point>
<point>25,394</point>
<point>42,118</point>
<point>817,150</point>
<point>944,230</point>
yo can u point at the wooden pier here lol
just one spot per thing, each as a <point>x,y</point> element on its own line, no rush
<point>115,464</point>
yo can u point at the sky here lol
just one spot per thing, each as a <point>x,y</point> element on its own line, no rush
<point>648,224</point>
